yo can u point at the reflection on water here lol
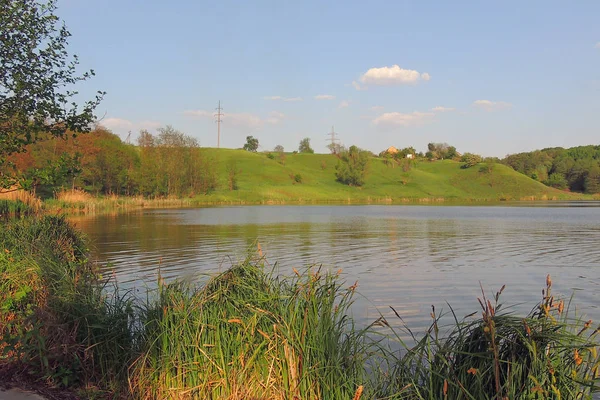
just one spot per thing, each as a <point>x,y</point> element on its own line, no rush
<point>408,257</point>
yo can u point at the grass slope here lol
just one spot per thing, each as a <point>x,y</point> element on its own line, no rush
<point>264,180</point>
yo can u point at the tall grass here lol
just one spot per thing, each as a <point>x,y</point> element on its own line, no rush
<point>248,334</point>
<point>55,320</point>
<point>18,202</point>
<point>82,202</point>
<point>545,355</point>
<point>251,333</point>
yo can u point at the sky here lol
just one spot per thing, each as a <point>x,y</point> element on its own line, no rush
<point>493,78</point>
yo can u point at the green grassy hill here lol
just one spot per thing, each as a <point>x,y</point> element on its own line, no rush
<point>263,180</point>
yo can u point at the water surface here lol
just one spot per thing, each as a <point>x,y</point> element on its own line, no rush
<point>408,257</point>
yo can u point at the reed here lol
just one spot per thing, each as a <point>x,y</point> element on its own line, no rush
<point>545,355</point>
<point>17,202</point>
<point>253,333</point>
<point>249,334</point>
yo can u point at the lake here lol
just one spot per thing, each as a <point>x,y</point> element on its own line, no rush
<point>408,257</point>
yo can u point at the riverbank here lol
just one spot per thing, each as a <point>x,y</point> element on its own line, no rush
<point>249,332</point>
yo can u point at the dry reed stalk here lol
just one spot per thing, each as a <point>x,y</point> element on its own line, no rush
<point>73,196</point>
<point>26,197</point>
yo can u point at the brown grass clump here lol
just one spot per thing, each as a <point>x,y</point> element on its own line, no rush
<point>24,196</point>
<point>73,196</point>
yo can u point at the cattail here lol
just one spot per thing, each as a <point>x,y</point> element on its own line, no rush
<point>561,306</point>
<point>358,393</point>
<point>527,328</point>
<point>577,358</point>
<point>445,387</point>
<point>548,281</point>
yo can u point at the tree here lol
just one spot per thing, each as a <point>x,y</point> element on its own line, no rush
<point>352,167</point>
<point>36,76</point>
<point>470,160</point>
<point>305,146</point>
<point>278,149</point>
<point>557,181</point>
<point>251,144</point>
<point>335,148</point>
<point>592,180</point>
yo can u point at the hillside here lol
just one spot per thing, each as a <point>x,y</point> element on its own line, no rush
<point>262,179</point>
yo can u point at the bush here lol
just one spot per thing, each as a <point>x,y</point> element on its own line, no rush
<point>557,180</point>
<point>470,160</point>
<point>352,167</point>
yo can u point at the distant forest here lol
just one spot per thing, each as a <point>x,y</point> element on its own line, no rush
<point>170,163</point>
<point>576,169</point>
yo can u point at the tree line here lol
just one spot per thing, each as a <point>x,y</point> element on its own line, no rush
<point>169,163</point>
<point>576,169</point>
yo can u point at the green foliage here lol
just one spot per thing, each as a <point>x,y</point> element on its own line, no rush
<point>557,180</point>
<point>440,151</point>
<point>55,321</point>
<point>499,356</point>
<point>251,144</point>
<point>36,74</point>
<point>247,333</point>
<point>592,180</point>
<point>232,174</point>
<point>278,149</point>
<point>304,146</point>
<point>470,160</point>
<point>171,165</point>
<point>352,167</point>
<point>270,156</point>
<point>571,165</point>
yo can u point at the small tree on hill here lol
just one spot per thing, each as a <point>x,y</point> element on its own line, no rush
<point>352,167</point>
<point>470,160</point>
<point>278,149</point>
<point>305,146</point>
<point>251,144</point>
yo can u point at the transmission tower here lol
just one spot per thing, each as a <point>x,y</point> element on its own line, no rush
<point>334,140</point>
<point>218,116</point>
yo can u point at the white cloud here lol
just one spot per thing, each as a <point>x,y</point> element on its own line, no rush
<point>324,97</point>
<point>344,104</point>
<point>392,119</point>
<point>393,75</point>
<point>489,105</point>
<point>244,120</point>
<point>122,127</point>
<point>442,109</point>
<point>282,98</point>
<point>116,123</point>
<point>357,86</point>
<point>275,117</point>
<point>377,108</point>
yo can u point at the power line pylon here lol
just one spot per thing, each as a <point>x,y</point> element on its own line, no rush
<point>218,116</point>
<point>334,145</point>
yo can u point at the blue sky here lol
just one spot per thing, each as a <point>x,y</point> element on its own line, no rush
<point>487,77</point>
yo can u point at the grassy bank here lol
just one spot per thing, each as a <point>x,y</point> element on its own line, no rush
<point>252,333</point>
<point>255,178</point>
<point>263,179</point>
